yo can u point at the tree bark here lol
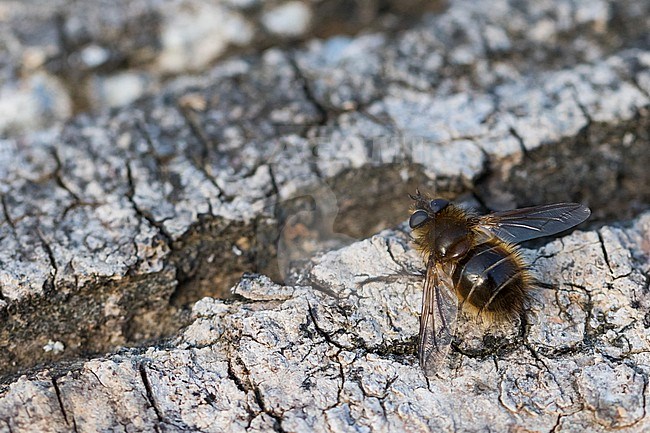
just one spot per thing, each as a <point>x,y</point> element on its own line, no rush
<point>337,353</point>
<point>113,224</point>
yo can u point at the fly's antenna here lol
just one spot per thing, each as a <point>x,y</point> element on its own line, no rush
<point>416,196</point>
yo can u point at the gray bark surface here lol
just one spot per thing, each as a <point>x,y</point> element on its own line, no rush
<point>113,221</point>
<point>113,224</point>
<point>336,352</point>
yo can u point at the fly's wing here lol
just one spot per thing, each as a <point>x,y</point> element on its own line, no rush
<point>438,320</point>
<point>534,222</point>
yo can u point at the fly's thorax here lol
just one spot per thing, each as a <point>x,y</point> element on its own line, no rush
<point>448,236</point>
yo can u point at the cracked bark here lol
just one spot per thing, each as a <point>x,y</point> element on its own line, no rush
<point>112,226</point>
<point>293,358</point>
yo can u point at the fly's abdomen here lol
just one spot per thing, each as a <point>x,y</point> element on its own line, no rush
<point>492,278</point>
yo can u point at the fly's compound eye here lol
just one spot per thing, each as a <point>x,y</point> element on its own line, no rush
<point>418,218</point>
<point>438,204</point>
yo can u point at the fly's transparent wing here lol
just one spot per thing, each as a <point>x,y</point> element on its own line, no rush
<point>438,320</point>
<point>534,222</point>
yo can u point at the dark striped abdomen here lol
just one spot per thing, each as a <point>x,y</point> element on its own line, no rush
<point>492,278</point>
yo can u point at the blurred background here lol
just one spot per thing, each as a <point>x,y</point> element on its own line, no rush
<point>62,58</point>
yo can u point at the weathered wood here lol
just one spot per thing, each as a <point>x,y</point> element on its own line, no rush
<point>113,223</point>
<point>107,220</point>
<point>337,353</point>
